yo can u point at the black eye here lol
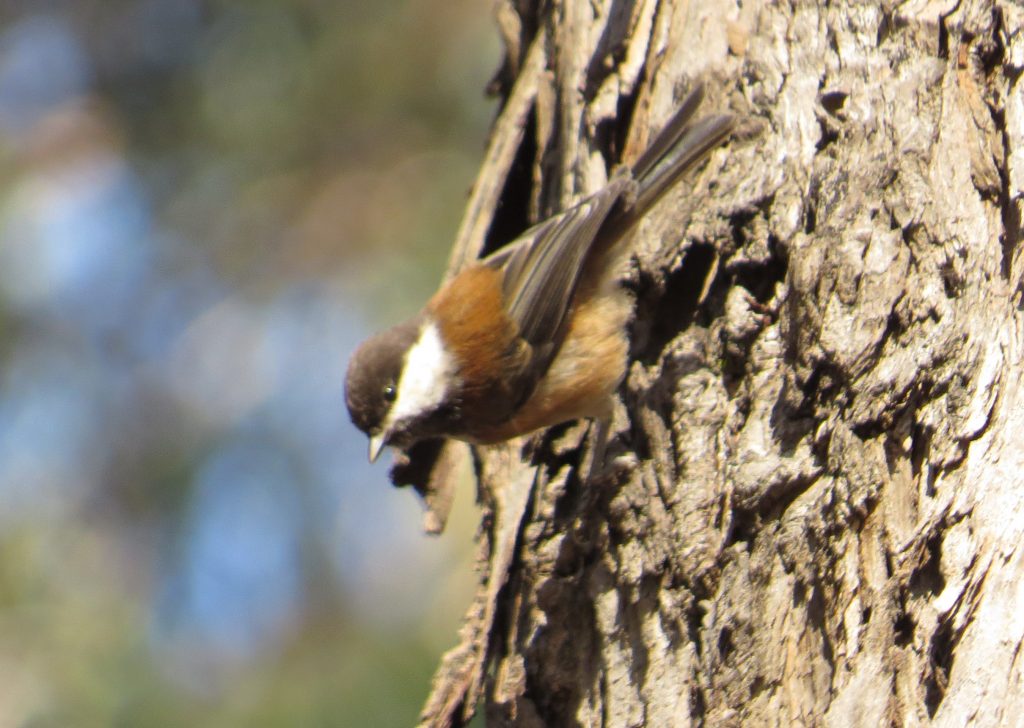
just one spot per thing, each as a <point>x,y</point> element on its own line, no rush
<point>389,392</point>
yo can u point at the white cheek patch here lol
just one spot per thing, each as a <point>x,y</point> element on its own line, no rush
<point>423,383</point>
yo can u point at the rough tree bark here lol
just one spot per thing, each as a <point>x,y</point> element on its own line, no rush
<point>823,521</point>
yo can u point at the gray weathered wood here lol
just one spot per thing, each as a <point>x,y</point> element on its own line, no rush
<point>823,518</point>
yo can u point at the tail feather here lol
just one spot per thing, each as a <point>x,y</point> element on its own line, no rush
<point>677,147</point>
<point>670,133</point>
<point>680,145</point>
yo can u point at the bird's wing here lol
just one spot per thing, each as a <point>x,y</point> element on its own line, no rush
<point>542,268</point>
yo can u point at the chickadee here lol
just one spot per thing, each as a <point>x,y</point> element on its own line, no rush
<point>534,334</point>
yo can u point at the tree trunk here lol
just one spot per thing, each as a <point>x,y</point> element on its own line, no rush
<point>823,520</point>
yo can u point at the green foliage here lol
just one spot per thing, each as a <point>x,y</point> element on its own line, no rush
<point>202,206</point>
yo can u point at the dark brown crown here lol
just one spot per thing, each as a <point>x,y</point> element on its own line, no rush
<point>375,366</point>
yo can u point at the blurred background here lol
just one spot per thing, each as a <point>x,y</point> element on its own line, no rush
<point>204,206</point>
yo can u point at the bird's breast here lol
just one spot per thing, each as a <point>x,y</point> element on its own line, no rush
<point>583,376</point>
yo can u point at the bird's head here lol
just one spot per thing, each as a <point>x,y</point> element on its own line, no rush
<point>399,382</point>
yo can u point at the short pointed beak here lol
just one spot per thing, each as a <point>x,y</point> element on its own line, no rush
<point>377,443</point>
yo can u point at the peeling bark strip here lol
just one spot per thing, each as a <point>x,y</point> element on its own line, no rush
<point>824,518</point>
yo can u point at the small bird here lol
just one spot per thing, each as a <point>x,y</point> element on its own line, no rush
<point>532,335</point>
